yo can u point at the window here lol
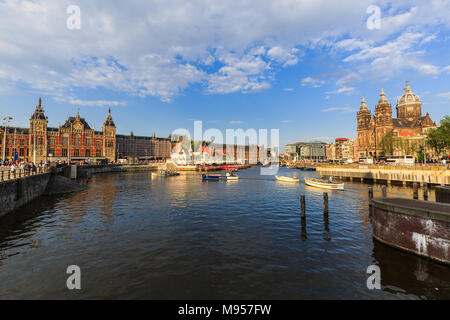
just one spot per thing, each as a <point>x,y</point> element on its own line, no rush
<point>88,153</point>
<point>52,141</point>
<point>51,152</point>
<point>76,152</point>
<point>65,141</point>
<point>39,141</point>
<point>88,142</point>
<point>22,142</point>
<point>64,152</point>
<point>98,153</point>
<point>98,143</point>
<point>76,141</point>
<point>22,152</point>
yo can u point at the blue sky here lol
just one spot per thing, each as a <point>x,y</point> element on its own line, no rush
<point>298,66</point>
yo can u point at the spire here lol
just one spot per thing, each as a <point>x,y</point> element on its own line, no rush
<point>363,105</point>
<point>39,112</point>
<point>382,97</point>
<point>109,120</point>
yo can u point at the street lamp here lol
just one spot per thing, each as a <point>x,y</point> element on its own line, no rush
<point>5,119</point>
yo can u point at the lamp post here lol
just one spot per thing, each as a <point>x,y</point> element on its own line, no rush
<point>5,119</point>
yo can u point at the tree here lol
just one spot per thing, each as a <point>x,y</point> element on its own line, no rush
<point>388,144</point>
<point>439,138</point>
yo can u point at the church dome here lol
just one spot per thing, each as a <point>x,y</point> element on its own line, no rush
<point>408,97</point>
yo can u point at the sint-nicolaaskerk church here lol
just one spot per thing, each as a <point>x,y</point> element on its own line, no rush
<point>409,126</point>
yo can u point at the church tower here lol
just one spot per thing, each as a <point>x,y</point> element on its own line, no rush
<point>38,134</point>
<point>383,111</point>
<point>109,135</point>
<point>409,105</point>
<point>363,122</point>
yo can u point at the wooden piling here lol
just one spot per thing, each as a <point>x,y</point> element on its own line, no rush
<point>425,191</point>
<point>325,203</point>
<point>303,206</point>
<point>383,191</point>
<point>415,191</point>
<point>370,193</point>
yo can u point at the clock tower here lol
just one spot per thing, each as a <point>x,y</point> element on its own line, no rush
<point>109,135</point>
<point>38,134</point>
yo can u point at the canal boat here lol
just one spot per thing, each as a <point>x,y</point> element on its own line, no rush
<point>219,177</point>
<point>287,179</point>
<point>324,184</point>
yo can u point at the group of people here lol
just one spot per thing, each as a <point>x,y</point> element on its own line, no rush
<point>23,165</point>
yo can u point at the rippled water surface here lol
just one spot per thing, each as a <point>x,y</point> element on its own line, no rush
<point>134,236</point>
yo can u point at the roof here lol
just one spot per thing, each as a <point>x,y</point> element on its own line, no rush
<point>413,123</point>
<point>69,122</point>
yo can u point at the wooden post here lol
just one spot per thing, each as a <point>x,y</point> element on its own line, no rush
<point>383,191</point>
<point>370,193</point>
<point>303,206</point>
<point>325,203</point>
<point>425,191</point>
<point>415,191</point>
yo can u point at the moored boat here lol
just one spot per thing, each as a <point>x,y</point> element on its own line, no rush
<point>324,184</point>
<point>217,177</point>
<point>287,179</point>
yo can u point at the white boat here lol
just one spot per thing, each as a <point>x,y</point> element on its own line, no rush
<point>287,179</point>
<point>319,183</point>
<point>227,177</point>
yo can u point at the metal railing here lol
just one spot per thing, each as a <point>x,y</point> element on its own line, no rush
<point>7,174</point>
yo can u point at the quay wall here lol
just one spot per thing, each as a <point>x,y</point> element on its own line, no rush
<point>437,177</point>
<point>17,192</point>
<point>86,171</point>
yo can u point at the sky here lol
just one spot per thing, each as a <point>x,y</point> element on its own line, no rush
<point>300,66</point>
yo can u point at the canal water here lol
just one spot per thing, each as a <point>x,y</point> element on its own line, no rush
<point>136,237</point>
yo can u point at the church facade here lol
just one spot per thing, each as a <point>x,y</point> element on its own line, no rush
<point>408,129</point>
<point>73,141</point>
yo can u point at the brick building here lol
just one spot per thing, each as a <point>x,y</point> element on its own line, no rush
<point>144,148</point>
<point>75,140</point>
<point>409,126</point>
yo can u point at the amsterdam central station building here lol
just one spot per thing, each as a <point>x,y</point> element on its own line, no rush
<point>75,140</point>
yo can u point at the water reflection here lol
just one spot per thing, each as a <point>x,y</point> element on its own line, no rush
<point>137,236</point>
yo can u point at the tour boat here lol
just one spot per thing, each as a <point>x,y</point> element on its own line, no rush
<point>287,179</point>
<point>227,177</point>
<point>324,184</point>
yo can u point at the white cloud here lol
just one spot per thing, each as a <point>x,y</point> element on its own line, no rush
<point>444,95</point>
<point>90,103</point>
<point>235,122</point>
<point>286,121</point>
<point>311,82</point>
<point>340,109</point>
<point>160,48</point>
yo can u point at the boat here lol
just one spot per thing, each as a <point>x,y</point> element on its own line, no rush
<point>165,173</point>
<point>219,177</point>
<point>324,184</point>
<point>287,179</point>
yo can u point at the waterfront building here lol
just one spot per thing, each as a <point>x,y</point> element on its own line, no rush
<point>143,148</point>
<point>409,127</point>
<point>75,140</point>
<point>313,150</point>
<point>343,149</point>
